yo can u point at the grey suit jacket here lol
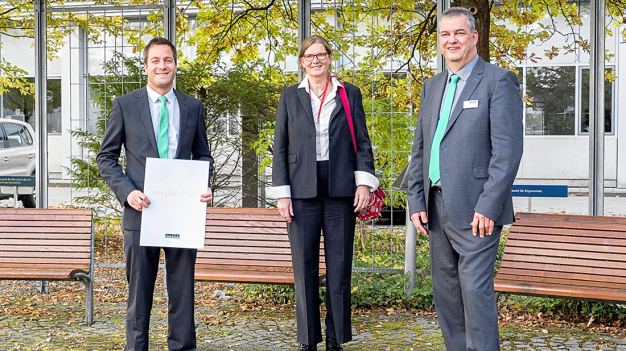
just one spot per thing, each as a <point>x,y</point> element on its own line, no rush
<point>480,151</point>
<point>295,161</point>
<point>130,124</point>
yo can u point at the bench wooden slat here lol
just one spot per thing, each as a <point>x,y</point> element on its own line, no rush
<point>245,277</point>
<point>244,224</point>
<point>563,291</point>
<point>243,230</point>
<point>566,261</point>
<point>51,236</point>
<point>245,266</point>
<point>65,217</point>
<point>250,243</point>
<point>594,240</point>
<point>37,264</point>
<point>549,217</point>
<point>244,210</point>
<point>43,242</point>
<point>60,248</point>
<point>249,250</point>
<point>567,246</point>
<point>241,262</point>
<point>251,256</point>
<point>39,274</point>
<point>563,253</point>
<point>245,217</point>
<point>40,259</point>
<point>558,281</point>
<point>39,212</point>
<point>244,262</point>
<point>565,233</point>
<point>35,224</point>
<point>244,236</point>
<point>596,226</point>
<point>45,230</point>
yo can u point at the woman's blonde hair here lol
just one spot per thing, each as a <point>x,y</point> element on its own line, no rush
<point>306,44</point>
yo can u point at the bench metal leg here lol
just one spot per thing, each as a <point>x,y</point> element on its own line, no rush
<point>42,286</point>
<point>85,279</point>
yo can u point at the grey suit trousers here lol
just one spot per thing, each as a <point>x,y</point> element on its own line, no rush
<point>462,277</point>
<point>142,265</point>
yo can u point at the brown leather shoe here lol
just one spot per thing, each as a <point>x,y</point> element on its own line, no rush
<point>304,347</point>
<point>333,345</point>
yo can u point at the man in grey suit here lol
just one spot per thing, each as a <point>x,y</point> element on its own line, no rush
<point>466,153</point>
<point>155,121</point>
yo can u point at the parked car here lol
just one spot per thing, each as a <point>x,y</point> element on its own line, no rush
<point>17,157</point>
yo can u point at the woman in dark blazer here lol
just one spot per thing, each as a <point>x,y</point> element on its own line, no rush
<point>321,183</point>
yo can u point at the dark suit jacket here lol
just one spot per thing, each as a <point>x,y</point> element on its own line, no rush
<point>295,161</point>
<point>481,148</point>
<point>130,124</point>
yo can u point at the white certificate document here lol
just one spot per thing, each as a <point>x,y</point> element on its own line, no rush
<point>175,216</point>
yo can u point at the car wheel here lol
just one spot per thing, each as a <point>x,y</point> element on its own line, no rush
<point>28,201</point>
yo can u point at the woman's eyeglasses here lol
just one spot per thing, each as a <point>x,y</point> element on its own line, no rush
<point>320,56</point>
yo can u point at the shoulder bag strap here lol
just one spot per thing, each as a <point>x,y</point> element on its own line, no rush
<point>346,106</point>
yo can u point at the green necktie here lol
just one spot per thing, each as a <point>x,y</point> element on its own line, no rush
<point>163,142</point>
<point>434,173</point>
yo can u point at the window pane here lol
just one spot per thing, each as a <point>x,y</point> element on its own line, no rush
<point>608,103</point>
<point>22,107</point>
<point>551,91</point>
<point>13,134</point>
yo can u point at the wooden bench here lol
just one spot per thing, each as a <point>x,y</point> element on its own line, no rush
<point>565,256</point>
<point>48,244</point>
<point>247,245</point>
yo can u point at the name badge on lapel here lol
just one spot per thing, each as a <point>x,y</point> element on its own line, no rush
<point>470,104</point>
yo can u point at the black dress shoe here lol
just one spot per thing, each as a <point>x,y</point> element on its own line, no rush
<point>332,344</point>
<point>304,347</point>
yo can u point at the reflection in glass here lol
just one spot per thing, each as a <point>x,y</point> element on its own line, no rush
<point>551,110</point>
<point>608,103</point>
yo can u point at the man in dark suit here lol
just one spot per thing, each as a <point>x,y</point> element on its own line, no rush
<point>466,153</point>
<point>155,121</point>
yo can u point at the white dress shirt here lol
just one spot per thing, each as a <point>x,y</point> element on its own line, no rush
<point>322,138</point>
<point>174,118</point>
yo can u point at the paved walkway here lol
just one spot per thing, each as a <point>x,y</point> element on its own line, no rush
<point>29,323</point>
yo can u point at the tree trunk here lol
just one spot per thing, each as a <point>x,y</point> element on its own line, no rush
<point>480,10</point>
<point>249,164</point>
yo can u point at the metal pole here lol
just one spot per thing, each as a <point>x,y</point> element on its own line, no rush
<point>596,110</point>
<point>442,5</point>
<point>304,25</point>
<point>169,31</point>
<point>169,24</point>
<point>41,118</point>
<point>169,20</point>
<point>410,252</point>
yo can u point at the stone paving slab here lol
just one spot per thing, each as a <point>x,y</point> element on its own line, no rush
<point>61,327</point>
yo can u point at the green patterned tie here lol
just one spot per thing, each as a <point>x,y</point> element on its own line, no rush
<point>163,139</point>
<point>434,173</point>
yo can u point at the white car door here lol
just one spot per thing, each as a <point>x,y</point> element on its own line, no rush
<point>19,155</point>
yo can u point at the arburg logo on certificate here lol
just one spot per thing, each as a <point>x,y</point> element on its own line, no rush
<point>176,217</point>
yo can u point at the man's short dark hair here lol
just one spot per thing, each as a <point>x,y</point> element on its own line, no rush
<point>158,41</point>
<point>461,11</point>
